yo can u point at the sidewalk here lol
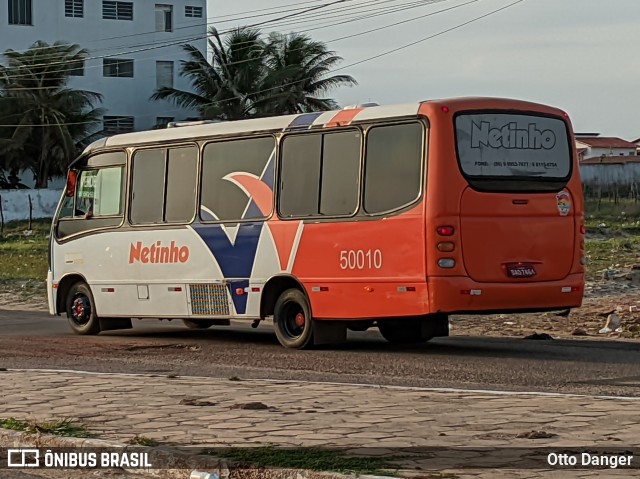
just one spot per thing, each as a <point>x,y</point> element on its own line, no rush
<point>118,407</point>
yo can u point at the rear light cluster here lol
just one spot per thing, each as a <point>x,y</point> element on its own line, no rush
<point>446,246</point>
<point>583,259</point>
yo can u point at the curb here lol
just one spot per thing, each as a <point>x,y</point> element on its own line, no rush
<point>178,465</point>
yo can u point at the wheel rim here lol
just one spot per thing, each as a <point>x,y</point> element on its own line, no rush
<point>81,309</point>
<point>294,320</point>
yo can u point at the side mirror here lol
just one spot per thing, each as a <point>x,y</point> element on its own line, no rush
<point>71,184</point>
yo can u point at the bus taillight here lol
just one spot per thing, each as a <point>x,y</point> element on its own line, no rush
<point>447,263</point>
<point>445,230</point>
<point>583,229</point>
<point>446,247</point>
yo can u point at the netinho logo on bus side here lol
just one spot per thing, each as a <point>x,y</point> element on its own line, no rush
<point>511,137</point>
<point>156,253</point>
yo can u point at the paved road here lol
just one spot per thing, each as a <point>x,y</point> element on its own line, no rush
<point>36,340</point>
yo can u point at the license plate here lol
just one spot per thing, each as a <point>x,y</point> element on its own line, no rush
<point>521,270</point>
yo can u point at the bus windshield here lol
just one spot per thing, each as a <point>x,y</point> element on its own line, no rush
<point>506,151</point>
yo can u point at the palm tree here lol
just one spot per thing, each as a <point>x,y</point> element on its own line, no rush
<point>248,77</point>
<point>43,120</point>
<point>226,88</point>
<point>299,72</point>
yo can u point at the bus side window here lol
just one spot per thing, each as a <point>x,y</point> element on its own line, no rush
<point>148,186</point>
<point>98,202</point>
<point>319,174</point>
<point>222,199</point>
<point>99,193</point>
<point>393,167</point>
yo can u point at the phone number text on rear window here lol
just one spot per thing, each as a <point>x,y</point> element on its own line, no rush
<point>512,145</point>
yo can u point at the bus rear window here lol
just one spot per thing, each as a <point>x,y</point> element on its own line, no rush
<point>505,151</point>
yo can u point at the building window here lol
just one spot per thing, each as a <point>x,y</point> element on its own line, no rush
<point>163,121</point>
<point>164,74</point>
<point>20,12</point>
<point>117,67</point>
<point>76,69</point>
<point>164,14</point>
<point>117,10</point>
<point>192,12</point>
<point>112,125</point>
<point>74,8</point>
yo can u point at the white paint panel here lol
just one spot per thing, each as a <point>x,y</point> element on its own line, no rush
<point>325,118</point>
<point>202,131</point>
<point>391,111</point>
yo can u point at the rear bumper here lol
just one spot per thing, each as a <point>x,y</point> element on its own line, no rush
<point>462,295</point>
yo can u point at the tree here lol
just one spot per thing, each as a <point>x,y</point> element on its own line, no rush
<point>248,77</point>
<point>226,88</point>
<point>298,72</point>
<point>43,121</point>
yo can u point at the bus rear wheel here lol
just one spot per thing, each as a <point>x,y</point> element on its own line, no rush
<point>81,310</point>
<point>292,320</point>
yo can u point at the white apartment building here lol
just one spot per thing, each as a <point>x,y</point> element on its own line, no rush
<point>135,46</point>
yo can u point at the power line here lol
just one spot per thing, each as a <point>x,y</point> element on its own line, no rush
<point>374,57</point>
<point>265,56</point>
<point>420,3</point>
<point>155,47</point>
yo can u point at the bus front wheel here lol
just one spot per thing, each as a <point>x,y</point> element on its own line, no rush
<point>81,310</point>
<point>292,320</point>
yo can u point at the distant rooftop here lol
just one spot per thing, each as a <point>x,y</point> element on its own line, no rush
<point>606,142</point>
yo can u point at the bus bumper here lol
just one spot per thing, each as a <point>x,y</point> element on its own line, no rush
<point>465,296</point>
<point>51,294</point>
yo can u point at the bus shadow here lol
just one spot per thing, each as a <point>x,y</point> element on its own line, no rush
<point>371,343</point>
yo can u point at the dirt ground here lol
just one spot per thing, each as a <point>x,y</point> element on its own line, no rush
<point>620,295</point>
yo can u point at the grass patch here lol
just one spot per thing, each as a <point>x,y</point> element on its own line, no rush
<point>23,255</point>
<point>63,428</point>
<point>624,207</point>
<point>611,253</point>
<point>143,441</point>
<point>303,458</point>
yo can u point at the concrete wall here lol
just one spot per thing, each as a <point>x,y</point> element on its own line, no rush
<point>15,203</point>
<point>609,175</point>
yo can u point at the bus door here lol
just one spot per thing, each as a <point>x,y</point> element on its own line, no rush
<point>517,217</point>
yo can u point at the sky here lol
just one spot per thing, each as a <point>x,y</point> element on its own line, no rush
<point>578,55</point>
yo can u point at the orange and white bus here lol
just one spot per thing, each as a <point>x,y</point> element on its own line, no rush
<point>387,216</point>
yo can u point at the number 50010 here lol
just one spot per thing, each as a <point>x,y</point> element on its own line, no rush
<point>359,259</point>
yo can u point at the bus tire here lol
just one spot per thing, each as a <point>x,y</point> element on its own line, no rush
<point>403,331</point>
<point>81,310</point>
<point>292,320</point>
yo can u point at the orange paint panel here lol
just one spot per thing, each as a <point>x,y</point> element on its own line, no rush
<point>284,235</point>
<point>445,295</point>
<point>343,118</point>
<point>255,189</point>
<point>384,250</point>
<point>352,300</point>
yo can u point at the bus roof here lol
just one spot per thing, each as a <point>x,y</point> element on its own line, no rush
<point>304,121</point>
